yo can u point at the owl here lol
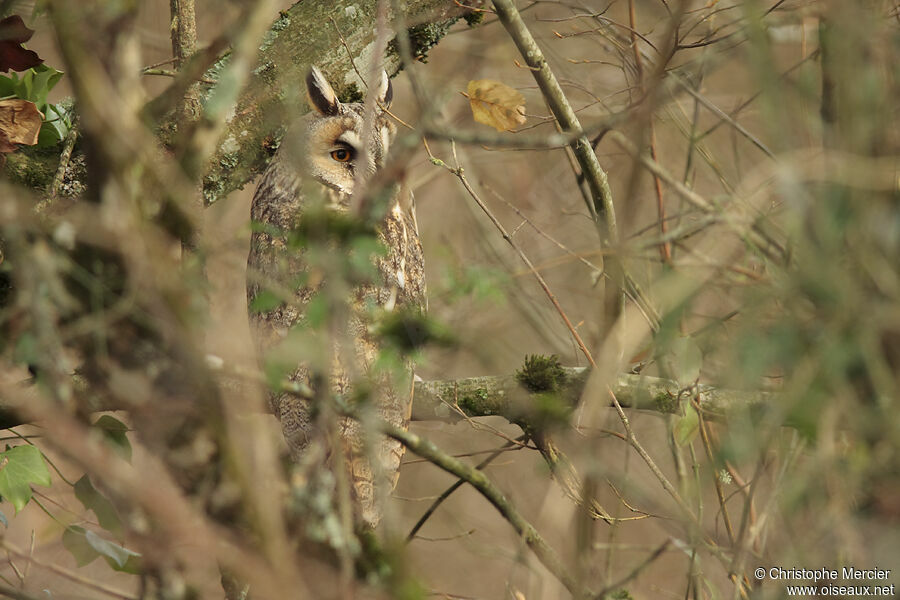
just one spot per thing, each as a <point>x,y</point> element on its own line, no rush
<point>318,166</point>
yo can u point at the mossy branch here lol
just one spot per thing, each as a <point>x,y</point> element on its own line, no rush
<point>504,395</point>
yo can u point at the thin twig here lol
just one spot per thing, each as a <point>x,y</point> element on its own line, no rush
<point>11,592</point>
<point>665,248</point>
<point>597,179</point>
<point>459,173</point>
<point>449,491</point>
<point>478,480</point>
<point>720,493</point>
<point>64,157</point>
<point>71,575</point>
<point>634,572</point>
<point>742,225</point>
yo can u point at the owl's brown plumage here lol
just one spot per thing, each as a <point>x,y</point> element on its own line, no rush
<point>320,158</point>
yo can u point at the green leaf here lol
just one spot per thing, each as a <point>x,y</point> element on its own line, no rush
<point>264,300</point>
<point>55,127</point>
<point>25,86</point>
<point>34,85</point>
<point>119,555</point>
<point>115,432</point>
<point>19,468</point>
<point>86,546</point>
<point>7,85</point>
<point>93,500</point>
<point>687,426</point>
<point>74,541</point>
<point>132,565</point>
<point>48,78</point>
<point>50,134</point>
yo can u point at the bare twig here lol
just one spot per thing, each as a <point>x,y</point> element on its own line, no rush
<point>449,491</point>
<point>63,572</point>
<point>459,173</point>
<point>597,179</point>
<point>477,479</point>
<point>183,30</point>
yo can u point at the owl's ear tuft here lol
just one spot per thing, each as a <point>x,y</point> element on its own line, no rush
<point>320,93</point>
<point>384,90</point>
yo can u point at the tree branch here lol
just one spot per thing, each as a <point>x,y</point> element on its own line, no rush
<point>480,482</point>
<point>503,395</point>
<point>596,177</point>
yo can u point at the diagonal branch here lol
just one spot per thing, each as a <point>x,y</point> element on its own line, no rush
<point>480,482</point>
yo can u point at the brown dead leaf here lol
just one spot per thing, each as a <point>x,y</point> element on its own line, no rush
<point>20,123</point>
<point>496,104</point>
<point>14,33</point>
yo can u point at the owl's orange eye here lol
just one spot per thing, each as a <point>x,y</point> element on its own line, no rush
<point>341,155</point>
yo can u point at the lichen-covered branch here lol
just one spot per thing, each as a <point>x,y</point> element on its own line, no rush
<point>504,395</point>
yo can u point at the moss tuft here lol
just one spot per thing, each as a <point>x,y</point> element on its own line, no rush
<point>33,167</point>
<point>425,36</point>
<point>351,93</point>
<point>476,403</point>
<point>474,18</point>
<point>541,373</point>
<point>666,403</point>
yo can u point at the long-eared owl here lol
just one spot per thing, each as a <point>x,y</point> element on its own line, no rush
<point>318,167</point>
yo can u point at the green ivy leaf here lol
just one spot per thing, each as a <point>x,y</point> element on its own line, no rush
<point>687,426</point>
<point>43,80</point>
<point>19,468</point>
<point>25,85</point>
<point>8,85</point>
<point>74,541</point>
<point>93,500</point>
<point>50,134</point>
<point>55,127</point>
<point>86,546</point>
<point>115,432</point>
<point>119,555</point>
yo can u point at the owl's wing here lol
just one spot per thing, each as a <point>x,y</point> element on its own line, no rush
<point>275,208</point>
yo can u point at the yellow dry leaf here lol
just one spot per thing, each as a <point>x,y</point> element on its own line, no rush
<point>496,104</point>
<point>20,123</point>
